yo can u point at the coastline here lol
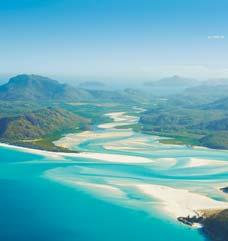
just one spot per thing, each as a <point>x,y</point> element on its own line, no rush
<point>74,139</point>
<point>112,158</point>
<point>32,150</point>
<point>177,140</point>
<point>181,202</point>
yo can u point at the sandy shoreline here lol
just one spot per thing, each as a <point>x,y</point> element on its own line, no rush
<point>71,140</point>
<point>180,202</point>
<point>197,162</point>
<point>115,158</point>
<point>34,151</point>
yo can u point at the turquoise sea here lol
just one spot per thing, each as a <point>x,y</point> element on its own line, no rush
<point>67,198</point>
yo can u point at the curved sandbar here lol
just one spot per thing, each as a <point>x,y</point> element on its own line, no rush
<point>71,140</point>
<point>180,202</point>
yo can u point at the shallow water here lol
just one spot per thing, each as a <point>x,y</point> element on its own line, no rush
<point>86,199</point>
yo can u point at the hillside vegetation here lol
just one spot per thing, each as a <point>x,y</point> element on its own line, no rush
<point>34,129</point>
<point>213,220</point>
<point>189,122</point>
<point>35,87</point>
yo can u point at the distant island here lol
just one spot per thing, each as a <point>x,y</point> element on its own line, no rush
<point>170,85</point>
<point>92,85</point>
<point>173,82</point>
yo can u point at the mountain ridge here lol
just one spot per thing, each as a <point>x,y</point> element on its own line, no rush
<point>36,87</point>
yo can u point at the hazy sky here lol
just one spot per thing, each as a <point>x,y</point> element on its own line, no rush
<point>131,39</point>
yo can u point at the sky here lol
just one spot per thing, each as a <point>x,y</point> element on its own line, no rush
<point>114,39</point>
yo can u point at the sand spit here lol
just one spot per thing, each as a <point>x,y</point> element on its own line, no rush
<point>113,158</point>
<point>197,162</point>
<point>180,202</point>
<point>71,140</point>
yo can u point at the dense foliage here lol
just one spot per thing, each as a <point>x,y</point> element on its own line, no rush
<point>215,220</point>
<point>199,124</point>
<point>38,123</point>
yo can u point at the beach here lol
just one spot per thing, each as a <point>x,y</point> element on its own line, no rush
<point>181,202</point>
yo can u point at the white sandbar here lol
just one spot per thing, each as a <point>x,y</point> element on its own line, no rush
<point>180,202</point>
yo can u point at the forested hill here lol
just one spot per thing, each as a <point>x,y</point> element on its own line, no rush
<point>35,87</point>
<point>205,125</point>
<point>38,124</point>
